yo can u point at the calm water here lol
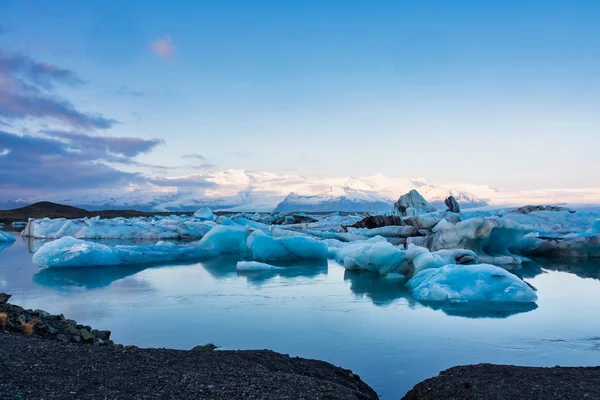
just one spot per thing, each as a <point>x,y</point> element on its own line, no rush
<point>357,321</point>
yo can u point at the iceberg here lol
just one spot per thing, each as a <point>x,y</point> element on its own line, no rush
<point>288,248</point>
<point>72,252</point>
<point>252,266</point>
<point>421,258</point>
<point>491,238</point>
<point>223,239</point>
<point>466,283</point>
<point>376,255</point>
<point>6,238</point>
<point>204,213</point>
<point>138,228</point>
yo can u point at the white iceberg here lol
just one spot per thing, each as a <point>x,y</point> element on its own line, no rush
<point>376,255</point>
<point>252,266</point>
<point>464,283</point>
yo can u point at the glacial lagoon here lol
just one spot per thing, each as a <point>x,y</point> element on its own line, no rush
<point>354,319</point>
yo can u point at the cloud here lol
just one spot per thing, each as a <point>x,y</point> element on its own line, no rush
<point>27,93</point>
<point>164,47</point>
<point>125,146</point>
<point>126,91</point>
<point>194,155</point>
<point>37,164</point>
<point>203,166</point>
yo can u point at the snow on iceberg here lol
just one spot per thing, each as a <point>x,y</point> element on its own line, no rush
<point>465,283</point>
<point>491,238</point>
<point>288,248</point>
<point>252,266</point>
<point>172,227</point>
<point>375,255</point>
<point>421,258</point>
<point>6,238</point>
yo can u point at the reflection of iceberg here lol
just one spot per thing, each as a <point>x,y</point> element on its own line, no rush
<point>380,289</point>
<point>5,245</point>
<point>88,278</point>
<point>305,269</point>
<point>481,310</point>
<point>581,268</point>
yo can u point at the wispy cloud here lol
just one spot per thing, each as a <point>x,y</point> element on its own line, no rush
<point>126,91</point>
<point>194,155</point>
<point>27,92</point>
<point>204,166</point>
<point>164,47</point>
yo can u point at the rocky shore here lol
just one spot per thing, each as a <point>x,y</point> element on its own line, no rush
<point>509,382</point>
<point>56,358</point>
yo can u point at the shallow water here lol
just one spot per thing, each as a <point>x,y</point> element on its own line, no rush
<point>354,320</point>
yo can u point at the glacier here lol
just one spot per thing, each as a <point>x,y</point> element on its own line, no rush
<point>470,283</point>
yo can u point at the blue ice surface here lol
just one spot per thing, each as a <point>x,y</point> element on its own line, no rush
<point>463,283</point>
<point>6,238</point>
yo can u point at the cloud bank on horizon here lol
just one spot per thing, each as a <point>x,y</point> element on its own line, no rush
<point>55,146</point>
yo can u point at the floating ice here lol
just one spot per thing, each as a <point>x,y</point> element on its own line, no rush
<point>377,256</point>
<point>224,239</point>
<point>251,266</point>
<point>292,248</point>
<point>70,252</point>
<point>421,258</point>
<point>464,283</point>
<point>490,238</point>
<point>204,213</point>
<point>6,238</point>
<point>172,227</point>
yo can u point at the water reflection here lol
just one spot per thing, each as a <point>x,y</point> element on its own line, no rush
<point>306,269</point>
<point>582,268</point>
<point>85,278</point>
<point>5,245</point>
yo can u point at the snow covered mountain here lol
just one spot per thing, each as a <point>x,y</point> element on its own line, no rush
<point>240,190</point>
<point>351,200</point>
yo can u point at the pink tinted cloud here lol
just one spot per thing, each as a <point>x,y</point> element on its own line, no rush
<point>164,47</point>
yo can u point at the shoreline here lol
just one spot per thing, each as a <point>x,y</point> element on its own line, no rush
<point>49,356</point>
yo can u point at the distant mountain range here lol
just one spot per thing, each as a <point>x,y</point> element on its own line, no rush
<point>246,191</point>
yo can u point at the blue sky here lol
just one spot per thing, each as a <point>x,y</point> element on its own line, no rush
<point>503,93</point>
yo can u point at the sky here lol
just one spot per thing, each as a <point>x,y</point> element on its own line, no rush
<point>104,95</point>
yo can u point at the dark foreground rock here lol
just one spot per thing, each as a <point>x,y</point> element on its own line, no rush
<point>37,368</point>
<point>507,382</point>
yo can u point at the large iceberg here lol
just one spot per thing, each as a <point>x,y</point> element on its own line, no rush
<point>465,283</point>
<point>139,228</point>
<point>71,252</point>
<point>375,255</point>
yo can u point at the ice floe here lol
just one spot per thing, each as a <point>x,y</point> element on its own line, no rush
<point>465,283</point>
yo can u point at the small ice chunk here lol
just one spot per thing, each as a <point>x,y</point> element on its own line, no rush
<point>464,283</point>
<point>204,213</point>
<point>255,266</point>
